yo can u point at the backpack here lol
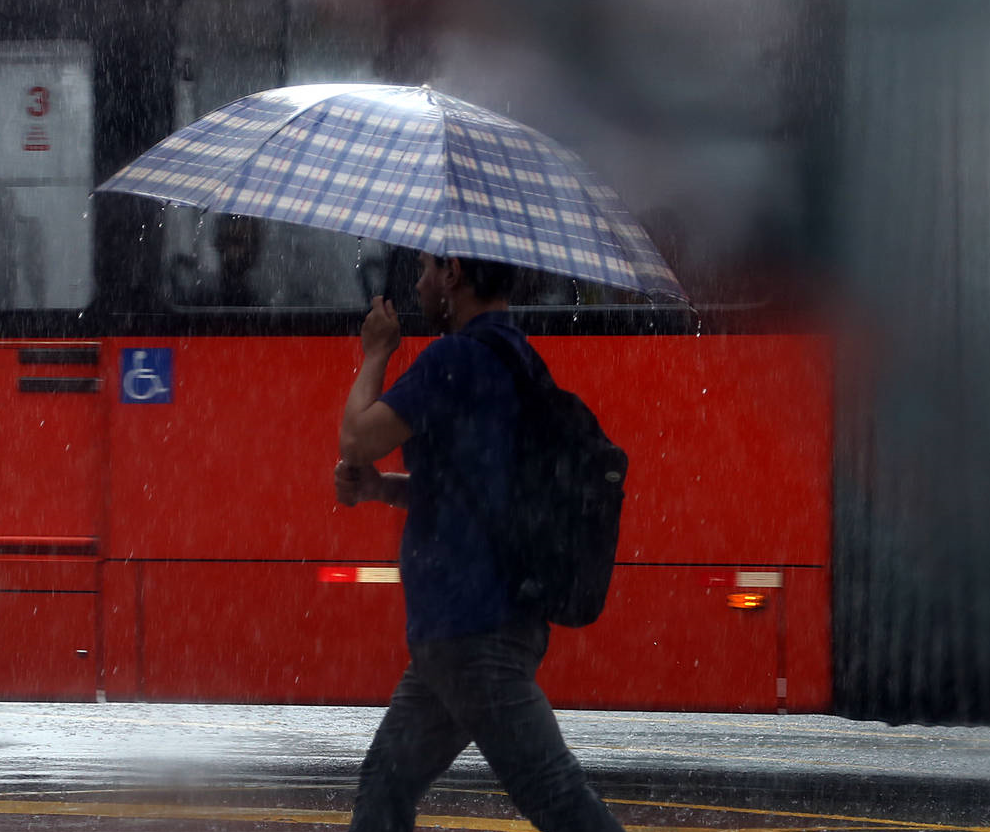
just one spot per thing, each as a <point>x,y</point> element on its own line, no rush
<point>566,496</point>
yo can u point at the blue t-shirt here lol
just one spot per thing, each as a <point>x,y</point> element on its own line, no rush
<point>459,400</point>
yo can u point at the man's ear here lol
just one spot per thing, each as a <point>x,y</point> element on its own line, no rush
<point>455,273</point>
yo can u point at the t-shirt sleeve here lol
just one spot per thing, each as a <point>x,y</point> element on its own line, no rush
<point>421,396</point>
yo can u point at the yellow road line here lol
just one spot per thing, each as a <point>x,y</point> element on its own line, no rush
<point>872,823</point>
<point>876,822</point>
<point>172,812</point>
<point>481,824</point>
<point>146,811</point>
<point>150,811</point>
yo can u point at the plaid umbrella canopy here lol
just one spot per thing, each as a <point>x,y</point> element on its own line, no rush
<point>408,166</point>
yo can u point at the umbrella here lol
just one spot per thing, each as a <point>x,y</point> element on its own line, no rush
<point>408,166</point>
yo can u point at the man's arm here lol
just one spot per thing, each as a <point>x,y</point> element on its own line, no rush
<point>360,484</point>
<point>370,429</point>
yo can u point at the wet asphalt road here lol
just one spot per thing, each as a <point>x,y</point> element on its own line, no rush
<point>217,767</point>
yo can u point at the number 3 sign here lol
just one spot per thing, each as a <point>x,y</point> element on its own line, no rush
<point>40,101</point>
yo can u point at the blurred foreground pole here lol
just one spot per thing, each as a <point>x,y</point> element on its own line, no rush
<point>912,573</point>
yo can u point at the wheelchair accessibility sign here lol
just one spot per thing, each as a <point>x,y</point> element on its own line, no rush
<point>146,376</point>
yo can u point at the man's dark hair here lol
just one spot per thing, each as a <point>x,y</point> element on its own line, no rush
<point>490,279</point>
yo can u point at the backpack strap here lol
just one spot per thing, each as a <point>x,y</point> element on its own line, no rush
<point>527,593</point>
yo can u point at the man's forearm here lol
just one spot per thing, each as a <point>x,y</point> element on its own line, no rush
<point>395,489</point>
<point>365,390</point>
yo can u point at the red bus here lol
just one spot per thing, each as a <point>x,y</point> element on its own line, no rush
<point>168,530</point>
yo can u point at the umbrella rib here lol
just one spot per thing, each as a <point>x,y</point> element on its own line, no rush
<point>445,156</point>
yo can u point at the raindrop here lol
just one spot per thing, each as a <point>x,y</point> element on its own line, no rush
<point>357,262</point>
<point>141,238</point>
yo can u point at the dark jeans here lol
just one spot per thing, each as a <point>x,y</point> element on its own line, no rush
<point>477,688</point>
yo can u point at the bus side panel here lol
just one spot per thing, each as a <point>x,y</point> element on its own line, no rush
<point>48,638</point>
<point>50,480</point>
<point>223,579</point>
<point>268,632</point>
<point>808,640</point>
<point>729,442</point>
<point>239,464</point>
<point>52,431</point>
<point>222,502</point>
<point>123,631</point>
<point>668,640</point>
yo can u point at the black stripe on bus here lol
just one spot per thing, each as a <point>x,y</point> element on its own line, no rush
<point>59,355</point>
<point>58,385</point>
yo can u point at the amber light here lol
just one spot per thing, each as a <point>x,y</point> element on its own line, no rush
<point>747,601</point>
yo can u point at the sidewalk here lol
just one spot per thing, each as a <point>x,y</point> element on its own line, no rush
<point>676,757</point>
<point>743,759</point>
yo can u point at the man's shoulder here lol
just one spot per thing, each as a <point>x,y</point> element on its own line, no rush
<point>499,323</point>
<point>443,360</point>
<point>457,357</point>
<point>487,335</point>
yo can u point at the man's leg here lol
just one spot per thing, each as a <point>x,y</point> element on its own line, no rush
<point>487,684</point>
<point>415,743</point>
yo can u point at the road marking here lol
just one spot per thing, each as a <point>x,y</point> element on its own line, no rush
<point>871,823</point>
<point>172,812</point>
<point>146,811</point>
<point>150,811</point>
<point>874,822</point>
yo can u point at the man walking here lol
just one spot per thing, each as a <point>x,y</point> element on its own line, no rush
<point>474,646</point>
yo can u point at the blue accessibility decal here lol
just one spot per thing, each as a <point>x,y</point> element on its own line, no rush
<point>146,376</point>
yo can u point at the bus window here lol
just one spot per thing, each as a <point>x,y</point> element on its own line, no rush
<point>543,289</point>
<point>215,261</point>
<point>219,260</point>
<point>46,171</point>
